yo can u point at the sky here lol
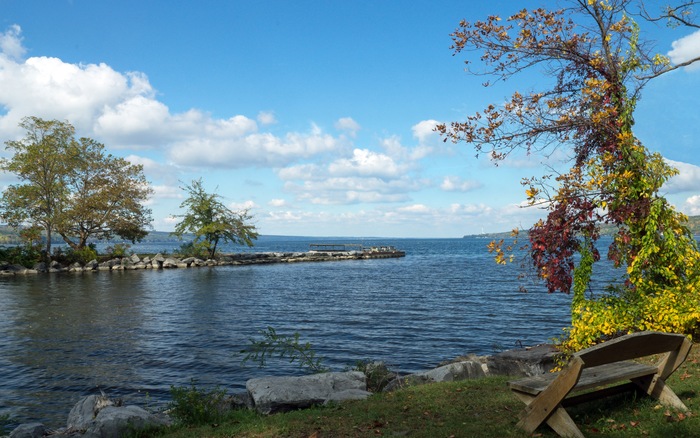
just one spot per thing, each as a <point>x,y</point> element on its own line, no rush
<point>317,116</point>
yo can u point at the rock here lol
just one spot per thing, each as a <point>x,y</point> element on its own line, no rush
<point>242,400</point>
<point>281,394</point>
<point>30,430</point>
<point>116,422</point>
<point>86,410</point>
<point>409,380</point>
<point>134,258</point>
<point>531,361</point>
<point>455,371</point>
<point>347,395</point>
<point>17,269</point>
<point>170,263</point>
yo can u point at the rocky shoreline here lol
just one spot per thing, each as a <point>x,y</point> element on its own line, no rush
<point>159,261</point>
<point>97,416</point>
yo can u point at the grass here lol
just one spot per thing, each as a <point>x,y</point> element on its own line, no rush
<point>474,408</point>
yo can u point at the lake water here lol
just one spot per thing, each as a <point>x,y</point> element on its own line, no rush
<point>133,334</point>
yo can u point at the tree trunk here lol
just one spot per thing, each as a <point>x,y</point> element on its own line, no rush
<point>47,256</point>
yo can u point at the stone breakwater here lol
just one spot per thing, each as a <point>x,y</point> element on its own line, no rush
<point>160,261</point>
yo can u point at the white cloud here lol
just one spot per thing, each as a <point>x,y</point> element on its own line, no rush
<point>456,184</point>
<point>352,190</point>
<point>688,178</point>
<point>366,163</point>
<point>415,208</point>
<point>240,206</point>
<point>166,191</point>
<point>685,49</point>
<point>348,125</point>
<point>277,203</point>
<point>424,131</point>
<point>267,118</point>
<point>254,149</point>
<point>692,206</point>
<point>11,42</point>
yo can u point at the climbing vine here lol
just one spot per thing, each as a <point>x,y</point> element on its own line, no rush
<point>593,54</point>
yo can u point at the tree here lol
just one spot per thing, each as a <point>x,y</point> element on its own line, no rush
<point>41,159</point>
<point>107,196</point>
<point>72,187</point>
<point>598,67</point>
<point>211,221</point>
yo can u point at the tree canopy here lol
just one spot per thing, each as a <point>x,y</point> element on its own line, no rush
<point>597,65</point>
<point>211,221</point>
<point>72,187</point>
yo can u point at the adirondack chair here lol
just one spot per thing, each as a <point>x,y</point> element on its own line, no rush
<point>599,370</point>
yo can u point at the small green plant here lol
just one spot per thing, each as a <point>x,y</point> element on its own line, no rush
<point>377,373</point>
<point>283,346</point>
<point>21,255</point>
<point>194,406</point>
<point>192,249</point>
<point>118,250</point>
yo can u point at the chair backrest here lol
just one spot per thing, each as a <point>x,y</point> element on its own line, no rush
<point>630,346</point>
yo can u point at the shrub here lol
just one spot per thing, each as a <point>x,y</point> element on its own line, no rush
<point>118,250</point>
<point>194,406</point>
<point>191,249</point>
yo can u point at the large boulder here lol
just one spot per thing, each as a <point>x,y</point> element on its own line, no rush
<point>30,430</point>
<point>281,394</point>
<point>456,371</point>
<point>86,410</point>
<point>117,422</point>
<point>528,362</point>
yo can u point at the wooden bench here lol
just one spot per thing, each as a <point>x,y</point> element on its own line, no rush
<point>594,370</point>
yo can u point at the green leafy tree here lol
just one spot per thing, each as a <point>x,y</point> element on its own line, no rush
<point>41,161</point>
<point>598,67</point>
<point>107,198</point>
<point>71,187</point>
<point>211,221</point>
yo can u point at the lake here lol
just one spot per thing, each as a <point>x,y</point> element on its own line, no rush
<point>133,334</point>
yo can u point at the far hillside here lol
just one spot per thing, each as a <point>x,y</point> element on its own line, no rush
<point>693,224</point>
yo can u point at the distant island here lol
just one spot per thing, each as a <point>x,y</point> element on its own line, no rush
<point>605,230</point>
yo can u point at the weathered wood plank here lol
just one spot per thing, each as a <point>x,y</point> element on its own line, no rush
<point>549,399</point>
<point>629,347</point>
<point>590,377</point>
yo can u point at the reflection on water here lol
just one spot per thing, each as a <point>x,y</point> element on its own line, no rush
<point>134,334</point>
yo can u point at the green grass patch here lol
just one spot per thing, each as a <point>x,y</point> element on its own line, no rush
<point>473,408</point>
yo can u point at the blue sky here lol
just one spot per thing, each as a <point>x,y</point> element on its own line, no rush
<point>315,115</point>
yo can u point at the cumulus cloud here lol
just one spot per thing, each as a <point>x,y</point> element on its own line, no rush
<point>692,206</point>
<point>11,42</point>
<point>366,163</point>
<point>122,110</point>
<point>424,131</point>
<point>688,178</point>
<point>347,124</point>
<point>253,149</point>
<point>685,49</point>
<point>456,184</point>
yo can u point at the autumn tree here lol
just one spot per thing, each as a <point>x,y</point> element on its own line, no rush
<point>107,196</point>
<point>597,66</point>
<point>211,221</point>
<point>71,187</point>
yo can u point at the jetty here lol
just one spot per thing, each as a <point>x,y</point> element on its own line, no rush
<point>323,252</point>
